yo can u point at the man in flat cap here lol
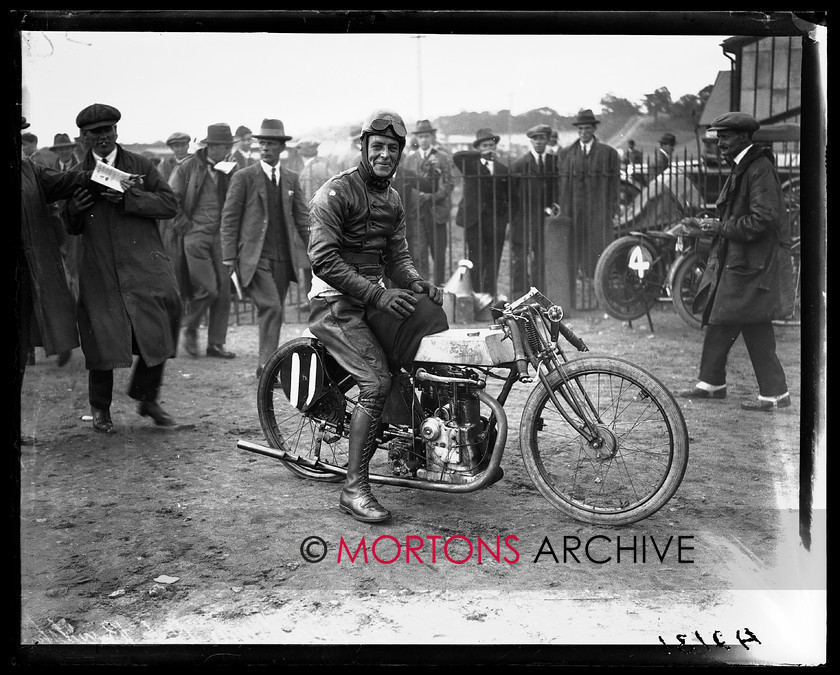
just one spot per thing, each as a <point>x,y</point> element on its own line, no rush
<point>242,152</point>
<point>745,284</point>
<point>263,214</point>
<point>428,225</point>
<point>172,237</point>
<point>314,172</point>
<point>353,156</point>
<point>483,211</point>
<point>179,143</point>
<point>590,181</point>
<point>128,296</point>
<point>201,185</point>
<point>534,177</point>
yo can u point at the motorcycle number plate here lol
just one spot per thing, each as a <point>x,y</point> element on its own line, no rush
<point>302,377</point>
<point>640,261</point>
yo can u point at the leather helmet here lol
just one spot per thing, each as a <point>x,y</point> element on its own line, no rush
<point>386,123</point>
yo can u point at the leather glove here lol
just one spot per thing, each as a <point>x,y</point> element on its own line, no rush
<point>396,301</point>
<point>422,286</point>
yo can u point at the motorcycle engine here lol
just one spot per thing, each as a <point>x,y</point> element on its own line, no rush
<point>453,433</point>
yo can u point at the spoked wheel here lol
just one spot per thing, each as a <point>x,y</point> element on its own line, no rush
<point>318,433</point>
<point>688,272</point>
<point>637,458</point>
<point>629,278</point>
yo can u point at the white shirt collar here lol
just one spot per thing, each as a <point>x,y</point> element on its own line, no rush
<point>587,146</point>
<point>537,155</point>
<point>111,157</point>
<point>267,168</point>
<point>741,154</point>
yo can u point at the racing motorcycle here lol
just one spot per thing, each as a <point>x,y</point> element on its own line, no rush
<point>602,439</point>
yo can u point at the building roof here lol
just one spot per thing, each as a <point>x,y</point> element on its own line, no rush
<point>718,101</point>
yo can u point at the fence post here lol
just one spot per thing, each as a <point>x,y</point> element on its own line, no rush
<point>557,261</point>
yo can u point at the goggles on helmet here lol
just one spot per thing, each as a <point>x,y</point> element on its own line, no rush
<point>380,124</point>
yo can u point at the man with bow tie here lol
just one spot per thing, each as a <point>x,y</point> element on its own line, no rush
<point>201,184</point>
<point>262,215</point>
<point>483,211</point>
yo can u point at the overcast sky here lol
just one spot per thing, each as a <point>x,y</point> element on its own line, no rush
<point>165,82</point>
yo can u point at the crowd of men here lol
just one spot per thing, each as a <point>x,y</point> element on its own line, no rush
<point>170,241</point>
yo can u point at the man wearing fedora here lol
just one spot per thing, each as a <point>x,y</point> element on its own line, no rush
<point>263,215</point>
<point>747,279</point>
<point>483,211</point>
<point>663,154</point>
<point>128,296</point>
<point>435,182</point>
<point>202,190</point>
<point>590,180</point>
<point>534,177</point>
<point>64,148</point>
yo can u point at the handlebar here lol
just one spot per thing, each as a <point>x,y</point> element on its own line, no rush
<point>573,339</point>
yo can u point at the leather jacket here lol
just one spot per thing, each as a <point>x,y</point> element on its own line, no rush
<point>357,234</point>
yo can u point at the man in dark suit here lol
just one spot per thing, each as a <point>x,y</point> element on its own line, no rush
<point>263,213</point>
<point>483,211</point>
<point>534,178</point>
<point>590,179</point>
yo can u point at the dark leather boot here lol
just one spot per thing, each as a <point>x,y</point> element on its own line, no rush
<point>356,497</point>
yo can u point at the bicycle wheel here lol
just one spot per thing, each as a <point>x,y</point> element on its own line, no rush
<point>629,278</point>
<point>688,271</point>
<point>318,433</point>
<point>644,442</point>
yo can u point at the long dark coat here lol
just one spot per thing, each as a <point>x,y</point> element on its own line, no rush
<point>589,192</point>
<point>747,279</point>
<point>126,281</point>
<point>53,303</point>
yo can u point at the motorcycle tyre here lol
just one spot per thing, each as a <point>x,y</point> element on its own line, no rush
<point>631,306</point>
<point>686,266</point>
<point>659,396</point>
<point>266,391</point>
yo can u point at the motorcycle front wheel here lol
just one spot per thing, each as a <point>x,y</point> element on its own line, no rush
<point>629,278</point>
<point>637,460</point>
<point>688,272</point>
<point>317,434</point>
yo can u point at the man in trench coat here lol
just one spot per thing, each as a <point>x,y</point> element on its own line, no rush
<point>128,295</point>
<point>744,284</point>
<point>262,215</point>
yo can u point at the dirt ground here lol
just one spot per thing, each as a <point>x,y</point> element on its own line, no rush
<point>176,537</point>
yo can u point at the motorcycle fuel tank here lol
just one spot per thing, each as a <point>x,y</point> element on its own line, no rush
<point>467,347</point>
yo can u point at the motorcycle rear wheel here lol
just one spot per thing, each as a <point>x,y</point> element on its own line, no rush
<point>645,452</point>
<point>621,292</point>
<point>291,430</point>
<point>688,271</point>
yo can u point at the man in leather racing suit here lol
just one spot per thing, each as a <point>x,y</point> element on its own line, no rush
<point>357,235</point>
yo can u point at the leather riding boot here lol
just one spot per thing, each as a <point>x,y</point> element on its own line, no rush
<point>356,497</point>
